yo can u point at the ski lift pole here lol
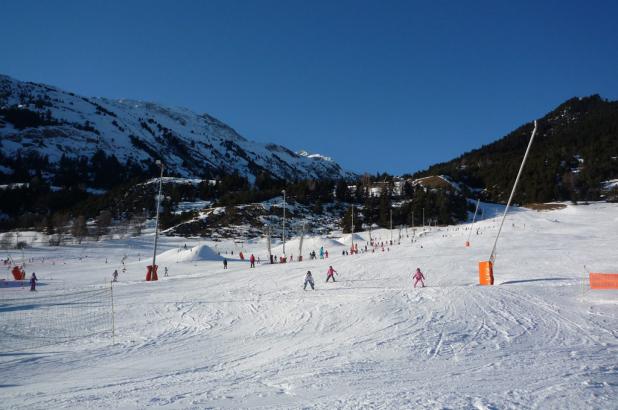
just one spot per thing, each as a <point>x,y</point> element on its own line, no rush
<point>492,257</point>
<point>300,245</point>
<point>478,201</point>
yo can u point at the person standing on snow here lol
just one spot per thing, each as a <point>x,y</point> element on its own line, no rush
<point>33,281</point>
<point>252,260</point>
<point>115,276</point>
<point>418,276</point>
<point>224,263</point>
<point>321,252</point>
<point>330,274</point>
<point>309,280</point>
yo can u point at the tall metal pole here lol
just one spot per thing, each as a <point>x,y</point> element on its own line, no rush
<point>423,218</point>
<point>352,236</point>
<point>154,254</point>
<point>300,245</point>
<point>391,211</point>
<point>478,201</point>
<point>283,221</point>
<point>492,258</point>
<point>270,254</point>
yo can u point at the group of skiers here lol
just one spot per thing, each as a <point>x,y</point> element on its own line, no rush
<point>330,274</point>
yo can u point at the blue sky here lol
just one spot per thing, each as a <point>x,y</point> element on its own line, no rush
<point>378,85</point>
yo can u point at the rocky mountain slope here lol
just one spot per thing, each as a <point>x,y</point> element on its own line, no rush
<point>45,124</point>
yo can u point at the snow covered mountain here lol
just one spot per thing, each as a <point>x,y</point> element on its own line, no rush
<point>48,121</point>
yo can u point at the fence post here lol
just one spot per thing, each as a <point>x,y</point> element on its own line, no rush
<point>111,286</point>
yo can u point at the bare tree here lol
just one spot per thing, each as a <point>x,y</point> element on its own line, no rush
<point>60,222</point>
<point>103,222</point>
<point>79,229</point>
<point>137,222</point>
<point>7,240</point>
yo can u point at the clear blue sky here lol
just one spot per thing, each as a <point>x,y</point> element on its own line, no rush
<point>378,85</point>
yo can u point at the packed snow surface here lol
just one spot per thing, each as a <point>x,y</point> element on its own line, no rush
<point>205,337</point>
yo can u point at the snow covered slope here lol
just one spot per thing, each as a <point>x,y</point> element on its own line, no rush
<point>247,338</point>
<point>53,122</point>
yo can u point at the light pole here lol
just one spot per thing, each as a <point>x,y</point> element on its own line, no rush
<point>391,213</point>
<point>352,236</point>
<point>154,254</point>
<point>283,192</point>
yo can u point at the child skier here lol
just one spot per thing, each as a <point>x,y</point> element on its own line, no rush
<point>330,274</point>
<point>33,280</point>
<point>309,280</point>
<point>418,276</point>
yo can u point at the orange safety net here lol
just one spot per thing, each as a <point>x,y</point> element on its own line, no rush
<point>603,280</point>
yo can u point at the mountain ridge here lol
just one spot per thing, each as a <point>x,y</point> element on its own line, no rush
<point>574,153</point>
<point>51,122</point>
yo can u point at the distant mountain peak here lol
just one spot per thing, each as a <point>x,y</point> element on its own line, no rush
<point>306,154</point>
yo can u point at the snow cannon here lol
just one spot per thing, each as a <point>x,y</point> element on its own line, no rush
<point>18,273</point>
<point>151,273</point>
<point>603,280</point>
<point>486,273</point>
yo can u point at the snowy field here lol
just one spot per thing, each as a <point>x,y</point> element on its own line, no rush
<point>252,338</point>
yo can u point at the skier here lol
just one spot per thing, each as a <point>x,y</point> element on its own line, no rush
<point>33,281</point>
<point>165,274</point>
<point>224,263</point>
<point>321,252</point>
<point>252,261</point>
<point>418,276</point>
<point>115,276</point>
<point>309,280</point>
<point>326,254</point>
<point>330,274</point>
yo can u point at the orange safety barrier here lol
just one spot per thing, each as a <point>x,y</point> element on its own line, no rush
<point>486,273</point>
<point>151,274</point>
<point>603,280</point>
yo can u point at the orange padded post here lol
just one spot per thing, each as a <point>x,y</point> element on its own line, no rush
<point>18,273</point>
<point>151,273</point>
<point>486,273</point>
<point>603,280</point>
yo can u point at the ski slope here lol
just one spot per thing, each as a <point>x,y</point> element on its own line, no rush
<point>252,338</point>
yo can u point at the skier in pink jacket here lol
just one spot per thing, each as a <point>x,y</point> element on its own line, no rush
<point>418,276</point>
<point>330,273</point>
